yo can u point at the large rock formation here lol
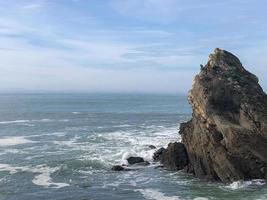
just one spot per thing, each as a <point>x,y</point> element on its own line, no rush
<point>226,139</point>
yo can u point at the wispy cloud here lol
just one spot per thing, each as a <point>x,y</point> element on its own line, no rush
<point>164,11</point>
<point>32,6</point>
<point>134,45</point>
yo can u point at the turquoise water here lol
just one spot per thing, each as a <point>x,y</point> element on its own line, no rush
<point>62,146</point>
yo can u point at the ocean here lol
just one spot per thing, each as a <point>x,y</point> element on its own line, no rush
<point>62,147</point>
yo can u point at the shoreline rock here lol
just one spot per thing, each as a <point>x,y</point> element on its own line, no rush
<point>226,139</point>
<point>152,147</point>
<point>118,168</point>
<point>158,154</point>
<point>175,157</point>
<point>135,160</point>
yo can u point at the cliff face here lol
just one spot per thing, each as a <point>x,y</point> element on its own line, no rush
<point>226,139</point>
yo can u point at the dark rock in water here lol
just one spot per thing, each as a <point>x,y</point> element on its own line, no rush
<point>152,147</point>
<point>174,157</point>
<point>143,163</point>
<point>158,154</point>
<point>226,139</point>
<point>159,166</point>
<point>117,168</point>
<point>133,160</point>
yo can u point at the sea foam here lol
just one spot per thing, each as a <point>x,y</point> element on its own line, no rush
<point>14,121</point>
<point>243,184</point>
<point>156,195</point>
<point>42,179</point>
<point>10,141</point>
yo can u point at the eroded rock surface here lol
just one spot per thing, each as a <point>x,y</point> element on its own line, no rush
<point>226,139</point>
<point>174,157</point>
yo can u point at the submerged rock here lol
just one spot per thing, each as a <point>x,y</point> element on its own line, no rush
<point>152,147</point>
<point>158,154</point>
<point>145,163</point>
<point>118,168</point>
<point>134,160</point>
<point>226,139</point>
<point>174,157</point>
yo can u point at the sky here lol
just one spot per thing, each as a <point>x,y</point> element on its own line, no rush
<point>147,46</point>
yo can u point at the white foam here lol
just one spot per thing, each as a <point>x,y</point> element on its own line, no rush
<point>156,195</point>
<point>125,156</point>
<point>14,141</point>
<point>43,120</point>
<point>42,179</point>
<point>13,169</point>
<point>243,184</point>
<point>15,121</point>
<point>76,113</point>
<point>8,168</point>
<point>26,121</point>
<point>69,143</point>
<point>58,134</point>
<point>134,142</point>
<point>123,125</point>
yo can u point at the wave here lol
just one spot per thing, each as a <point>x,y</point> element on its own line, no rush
<point>14,141</point>
<point>84,164</point>
<point>42,179</point>
<point>58,134</point>
<point>76,113</point>
<point>136,142</point>
<point>15,121</point>
<point>156,195</point>
<point>122,126</point>
<point>23,121</point>
<point>147,155</point>
<point>243,184</point>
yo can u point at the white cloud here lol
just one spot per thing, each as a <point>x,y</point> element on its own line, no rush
<point>97,57</point>
<point>153,10</point>
<point>30,68</point>
<point>13,27</point>
<point>32,6</point>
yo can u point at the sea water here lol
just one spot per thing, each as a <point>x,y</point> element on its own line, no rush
<point>62,146</point>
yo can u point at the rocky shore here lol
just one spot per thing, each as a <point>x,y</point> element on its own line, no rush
<point>226,139</point>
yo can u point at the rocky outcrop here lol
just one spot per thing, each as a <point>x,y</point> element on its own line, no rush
<point>152,147</point>
<point>118,168</point>
<point>158,154</point>
<point>226,139</point>
<point>134,160</point>
<point>174,157</point>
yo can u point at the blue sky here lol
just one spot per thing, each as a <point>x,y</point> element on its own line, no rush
<point>124,45</point>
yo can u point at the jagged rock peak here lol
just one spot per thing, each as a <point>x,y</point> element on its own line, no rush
<point>222,62</point>
<point>223,59</point>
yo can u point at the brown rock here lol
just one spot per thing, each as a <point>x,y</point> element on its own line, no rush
<point>174,157</point>
<point>226,139</point>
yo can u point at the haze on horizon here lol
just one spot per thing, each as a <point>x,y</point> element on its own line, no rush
<point>124,46</point>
